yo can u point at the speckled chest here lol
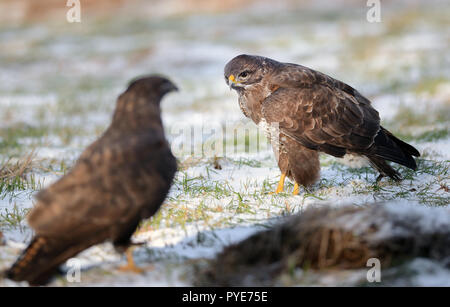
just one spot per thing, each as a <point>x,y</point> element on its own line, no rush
<point>250,102</point>
<point>251,99</point>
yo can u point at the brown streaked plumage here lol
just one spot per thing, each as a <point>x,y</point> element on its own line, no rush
<point>120,179</point>
<point>305,112</point>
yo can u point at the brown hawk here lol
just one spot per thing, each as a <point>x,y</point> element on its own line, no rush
<point>305,112</point>
<point>120,179</point>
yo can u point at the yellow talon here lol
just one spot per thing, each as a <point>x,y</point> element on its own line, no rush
<point>280,187</point>
<point>296,189</point>
<point>130,266</point>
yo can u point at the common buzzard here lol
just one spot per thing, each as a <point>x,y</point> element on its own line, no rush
<point>305,112</point>
<point>120,179</point>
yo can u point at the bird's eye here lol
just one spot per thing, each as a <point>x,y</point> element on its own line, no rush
<point>243,74</point>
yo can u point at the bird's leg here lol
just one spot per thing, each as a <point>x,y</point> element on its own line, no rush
<point>280,187</point>
<point>130,266</point>
<point>296,189</point>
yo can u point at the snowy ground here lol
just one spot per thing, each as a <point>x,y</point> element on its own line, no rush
<point>59,81</point>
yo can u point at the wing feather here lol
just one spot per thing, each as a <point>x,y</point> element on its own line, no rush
<point>323,118</point>
<point>78,200</point>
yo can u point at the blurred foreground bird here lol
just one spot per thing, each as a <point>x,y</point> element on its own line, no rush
<point>304,112</point>
<point>119,180</point>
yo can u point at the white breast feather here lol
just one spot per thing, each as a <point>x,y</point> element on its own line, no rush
<point>272,132</point>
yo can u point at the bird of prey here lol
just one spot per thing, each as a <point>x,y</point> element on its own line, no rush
<point>120,179</point>
<point>304,112</point>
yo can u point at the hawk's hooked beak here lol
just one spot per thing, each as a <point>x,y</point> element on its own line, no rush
<point>170,87</point>
<point>232,83</point>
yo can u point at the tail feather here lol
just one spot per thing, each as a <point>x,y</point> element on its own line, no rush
<point>403,145</point>
<point>390,148</point>
<point>41,260</point>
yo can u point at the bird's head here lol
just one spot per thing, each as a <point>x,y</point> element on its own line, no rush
<point>141,101</point>
<point>152,86</point>
<point>246,70</point>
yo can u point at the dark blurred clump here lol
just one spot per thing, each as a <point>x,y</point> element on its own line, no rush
<point>323,239</point>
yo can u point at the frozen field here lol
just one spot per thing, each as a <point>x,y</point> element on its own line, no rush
<point>59,82</point>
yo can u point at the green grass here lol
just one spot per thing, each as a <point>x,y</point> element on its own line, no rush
<point>426,136</point>
<point>427,193</point>
<point>13,217</point>
<point>430,85</point>
<point>13,185</point>
<point>12,136</point>
<point>406,116</point>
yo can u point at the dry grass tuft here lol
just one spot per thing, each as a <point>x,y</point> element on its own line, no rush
<point>17,168</point>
